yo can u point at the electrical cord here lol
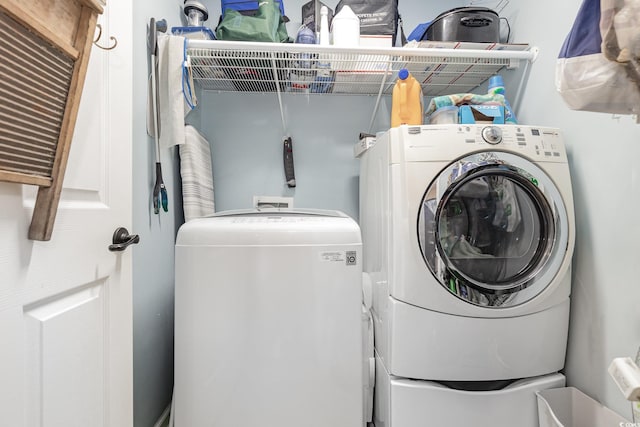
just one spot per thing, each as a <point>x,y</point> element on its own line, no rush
<point>187,80</point>
<point>508,28</point>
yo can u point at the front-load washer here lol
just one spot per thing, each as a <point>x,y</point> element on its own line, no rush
<point>269,320</point>
<point>468,235</point>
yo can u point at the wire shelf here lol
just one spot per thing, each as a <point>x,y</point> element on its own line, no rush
<point>311,69</point>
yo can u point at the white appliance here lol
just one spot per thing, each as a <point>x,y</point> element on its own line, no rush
<point>468,235</point>
<point>269,320</point>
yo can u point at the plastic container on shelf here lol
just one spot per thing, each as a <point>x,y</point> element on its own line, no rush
<point>323,83</point>
<point>197,14</point>
<point>194,33</point>
<point>444,115</point>
<point>303,73</point>
<point>345,28</point>
<point>324,26</point>
<point>406,107</point>
<point>305,36</point>
<point>569,407</point>
<point>496,87</point>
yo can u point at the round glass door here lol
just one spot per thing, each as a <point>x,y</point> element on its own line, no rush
<point>488,229</point>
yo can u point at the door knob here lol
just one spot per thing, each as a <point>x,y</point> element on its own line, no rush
<point>122,239</point>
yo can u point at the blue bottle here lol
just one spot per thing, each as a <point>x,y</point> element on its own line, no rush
<point>496,87</point>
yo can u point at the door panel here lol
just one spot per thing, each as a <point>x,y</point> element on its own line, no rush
<point>93,126</point>
<point>65,304</point>
<point>65,343</point>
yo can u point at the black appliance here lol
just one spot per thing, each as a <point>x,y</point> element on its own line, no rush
<point>465,24</point>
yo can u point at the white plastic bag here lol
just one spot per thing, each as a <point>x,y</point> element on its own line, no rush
<point>597,69</point>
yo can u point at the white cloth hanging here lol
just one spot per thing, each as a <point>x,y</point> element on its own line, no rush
<point>172,108</point>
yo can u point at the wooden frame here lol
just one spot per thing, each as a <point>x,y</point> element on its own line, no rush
<point>65,27</point>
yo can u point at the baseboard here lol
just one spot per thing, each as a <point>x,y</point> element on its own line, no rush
<point>163,421</point>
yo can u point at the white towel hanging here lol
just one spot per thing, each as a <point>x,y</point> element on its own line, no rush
<point>197,175</point>
<point>170,96</point>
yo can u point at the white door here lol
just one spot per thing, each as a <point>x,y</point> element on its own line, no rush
<point>65,305</point>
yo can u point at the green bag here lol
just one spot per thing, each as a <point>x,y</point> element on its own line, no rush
<point>267,25</point>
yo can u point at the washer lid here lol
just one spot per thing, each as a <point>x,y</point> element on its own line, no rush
<point>493,229</point>
<point>274,227</point>
<point>264,212</point>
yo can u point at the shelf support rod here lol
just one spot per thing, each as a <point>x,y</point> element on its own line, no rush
<point>279,92</point>
<point>382,84</point>
<point>521,84</point>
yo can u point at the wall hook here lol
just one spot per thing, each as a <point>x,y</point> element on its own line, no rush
<point>95,42</point>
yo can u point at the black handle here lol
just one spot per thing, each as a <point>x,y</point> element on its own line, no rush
<point>122,239</point>
<point>152,37</point>
<point>476,21</point>
<point>289,172</point>
<point>160,192</point>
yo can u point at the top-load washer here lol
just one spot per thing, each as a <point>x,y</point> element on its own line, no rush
<point>468,234</point>
<point>269,321</point>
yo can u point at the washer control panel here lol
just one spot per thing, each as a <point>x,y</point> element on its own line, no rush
<point>447,141</point>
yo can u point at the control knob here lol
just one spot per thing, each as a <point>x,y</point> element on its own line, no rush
<point>492,134</point>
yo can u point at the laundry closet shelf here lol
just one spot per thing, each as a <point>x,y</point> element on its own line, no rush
<point>228,66</point>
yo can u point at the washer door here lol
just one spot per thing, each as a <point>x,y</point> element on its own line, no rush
<point>493,229</point>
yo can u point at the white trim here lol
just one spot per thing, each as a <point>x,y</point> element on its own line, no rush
<point>371,50</point>
<point>164,418</point>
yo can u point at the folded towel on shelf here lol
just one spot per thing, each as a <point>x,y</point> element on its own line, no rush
<point>197,175</point>
<point>171,100</point>
<point>464,99</point>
